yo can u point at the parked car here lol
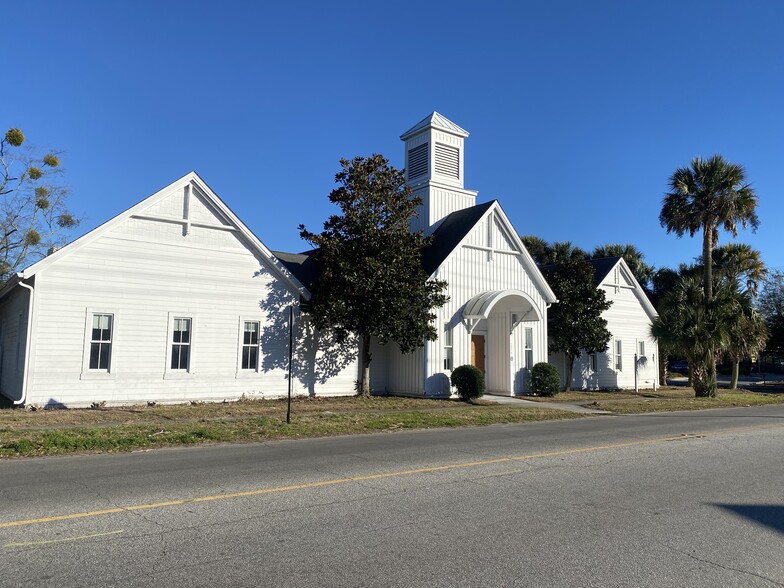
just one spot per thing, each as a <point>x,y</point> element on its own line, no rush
<point>679,367</point>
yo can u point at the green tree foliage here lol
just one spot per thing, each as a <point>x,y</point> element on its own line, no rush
<point>741,262</point>
<point>710,194</point>
<point>371,282</point>
<point>33,212</point>
<point>700,329</point>
<point>575,323</point>
<point>770,304</point>
<point>546,254</point>
<point>633,257</point>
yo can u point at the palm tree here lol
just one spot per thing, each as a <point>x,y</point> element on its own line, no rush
<point>739,261</point>
<point>711,194</point>
<point>748,333</point>
<point>689,325</point>
<point>562,251</point>
<point>537,247</point>
<point>742,264</point>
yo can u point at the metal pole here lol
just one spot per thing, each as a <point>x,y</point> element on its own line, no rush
<point>291,352</point>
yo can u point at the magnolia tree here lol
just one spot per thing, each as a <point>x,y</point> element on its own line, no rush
<point>371,282</point>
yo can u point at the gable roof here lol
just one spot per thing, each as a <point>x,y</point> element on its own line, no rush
<point>436,121</point>
<point>454,229</point>
<point>602,268</point>
<point>204,191</point>
<point>449,233</point>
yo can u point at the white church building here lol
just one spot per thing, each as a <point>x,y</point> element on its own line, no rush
<point>176,300</point>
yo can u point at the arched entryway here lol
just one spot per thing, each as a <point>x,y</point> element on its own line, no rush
<point>502,325</point>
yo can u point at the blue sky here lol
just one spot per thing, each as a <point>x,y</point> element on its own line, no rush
<point>578,111</point>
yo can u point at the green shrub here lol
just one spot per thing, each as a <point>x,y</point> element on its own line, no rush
<point>469,381</point>
<point>545,380</point>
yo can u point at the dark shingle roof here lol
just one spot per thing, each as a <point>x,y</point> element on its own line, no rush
<point>302,265</point>
<point>449,233</point>
<point>446,237</point>
<point>602,267</point>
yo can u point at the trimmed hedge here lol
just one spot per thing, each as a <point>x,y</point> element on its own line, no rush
<point>545,380</point>
<point>469,381</point>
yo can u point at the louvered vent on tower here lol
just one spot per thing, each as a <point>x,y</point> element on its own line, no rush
<point>447,161</point>
<point>417,161</point>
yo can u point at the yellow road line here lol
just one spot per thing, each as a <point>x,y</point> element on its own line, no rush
<point>308,485</point>
<point>79,538</point>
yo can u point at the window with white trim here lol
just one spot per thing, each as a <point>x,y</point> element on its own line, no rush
<point>529,347</point>
<point>448,349</point>
<point>640,348</point>
<point>618,355</point>
<point>101,342</point>
<point>592,362</point>
<point>250,345</point>
<point>181,344</point>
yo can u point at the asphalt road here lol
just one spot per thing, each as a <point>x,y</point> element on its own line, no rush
<point>678,499</point>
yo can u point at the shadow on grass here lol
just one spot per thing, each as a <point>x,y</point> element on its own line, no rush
<point>767,515</point>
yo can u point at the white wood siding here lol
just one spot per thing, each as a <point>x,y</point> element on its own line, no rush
<point>470,271</point>
<point>142,271</point>
<point>628,322</point>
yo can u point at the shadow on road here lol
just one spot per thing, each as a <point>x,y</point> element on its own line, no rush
<point>768,515</point>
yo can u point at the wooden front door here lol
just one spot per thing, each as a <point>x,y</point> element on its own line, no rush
<point>478,351</point>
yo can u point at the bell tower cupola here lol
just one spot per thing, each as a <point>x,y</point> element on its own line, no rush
<point>434,169</point>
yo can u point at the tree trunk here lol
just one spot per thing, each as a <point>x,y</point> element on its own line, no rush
<point>569,368</point>
<point>706,386</point>
<point>364,389</point>
<point>735,373</point>
<point>707,263</point>
<point>663,370</point>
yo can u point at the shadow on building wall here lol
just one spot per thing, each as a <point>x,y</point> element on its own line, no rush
<point>317,355</point>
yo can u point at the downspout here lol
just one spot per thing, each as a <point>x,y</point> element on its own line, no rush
<point>25,373</point>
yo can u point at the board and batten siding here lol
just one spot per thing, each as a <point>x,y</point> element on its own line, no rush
<point>629,323</point>
<point>146,273</point>
<point>486,261</point>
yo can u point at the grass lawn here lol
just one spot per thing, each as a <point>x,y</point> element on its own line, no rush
<point>25,433</point>
<point>56,432</point>
<point>668,398</point>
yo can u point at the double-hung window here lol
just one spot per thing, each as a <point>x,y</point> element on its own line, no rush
<point>448,353</point>
<point>101,342</point>
<point>529,347</point>
<point>181,344</point>
<point>618,355</point>
<point>592,362</point>
<point>640,348</point>
<point>250,345</point>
